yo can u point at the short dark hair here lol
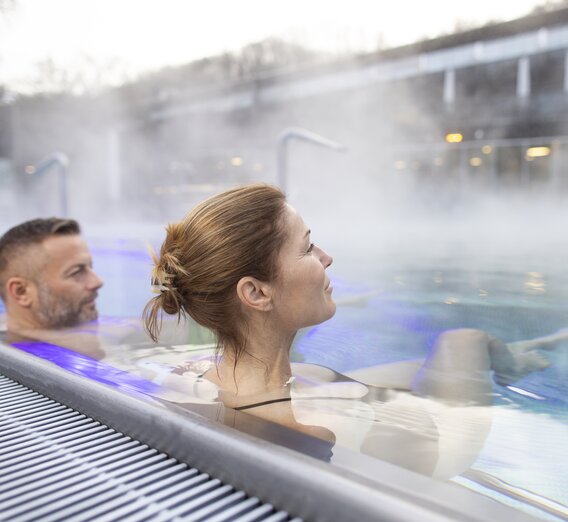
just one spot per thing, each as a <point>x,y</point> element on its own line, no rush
<point>32,232</point>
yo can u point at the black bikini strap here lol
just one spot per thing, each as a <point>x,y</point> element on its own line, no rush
<point>264,403</point>
<point>289,399</point>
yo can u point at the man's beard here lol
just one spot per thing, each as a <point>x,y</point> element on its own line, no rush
<point>57,311</point>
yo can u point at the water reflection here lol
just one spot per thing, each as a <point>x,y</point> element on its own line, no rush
<point>520,439</point>
<point>414,432</point>
<point>432,437</point>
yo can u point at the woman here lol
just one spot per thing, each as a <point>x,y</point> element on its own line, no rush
<point>243,265</point>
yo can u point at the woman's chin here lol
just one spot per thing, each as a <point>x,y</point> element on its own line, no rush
<point>333,309</point>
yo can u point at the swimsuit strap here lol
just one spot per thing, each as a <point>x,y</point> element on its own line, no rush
<point>263,403</point>
<point>289,399</point>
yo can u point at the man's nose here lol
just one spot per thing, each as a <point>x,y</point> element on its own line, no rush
<point>95,282</point>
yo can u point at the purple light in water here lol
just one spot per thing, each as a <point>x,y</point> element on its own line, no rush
<point>87,367</point>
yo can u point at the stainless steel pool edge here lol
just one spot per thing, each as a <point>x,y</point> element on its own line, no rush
<point>300,484</point>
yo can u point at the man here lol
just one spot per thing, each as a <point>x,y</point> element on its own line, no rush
<point>49,288</point>
<point>47,280</point>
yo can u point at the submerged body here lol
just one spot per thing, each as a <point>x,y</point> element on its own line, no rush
<point>431,416</point>
<point>244,266</point>
<point>421,434</point>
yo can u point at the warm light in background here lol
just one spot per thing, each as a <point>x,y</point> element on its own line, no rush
<point>537,152</point>
<point>400,165</point>
<point>475,161</point>
<point>454,137</point>
<point>487,149</point>
<point>237,161</point>
<point>29,169</point>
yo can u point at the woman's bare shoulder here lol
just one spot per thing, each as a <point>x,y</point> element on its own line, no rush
<point>315,372</point>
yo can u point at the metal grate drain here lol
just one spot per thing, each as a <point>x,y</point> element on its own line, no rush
<point>58,464</point>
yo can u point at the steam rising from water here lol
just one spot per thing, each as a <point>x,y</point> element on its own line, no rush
<point>136,163</point>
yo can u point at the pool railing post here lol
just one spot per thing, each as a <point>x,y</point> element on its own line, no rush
<point>282,150</point>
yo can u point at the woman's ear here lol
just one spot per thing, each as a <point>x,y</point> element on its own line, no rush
<point>20,290</point>
<point>255,294</point>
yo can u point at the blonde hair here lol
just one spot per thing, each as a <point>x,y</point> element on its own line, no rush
<point>231,235</point>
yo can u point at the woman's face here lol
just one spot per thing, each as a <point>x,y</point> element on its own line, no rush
<point>303,291</point>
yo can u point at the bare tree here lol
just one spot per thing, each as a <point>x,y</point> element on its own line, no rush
<point>268,55</point>
<point>87,76</point>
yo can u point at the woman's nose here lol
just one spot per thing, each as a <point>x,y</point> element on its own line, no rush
<point>325,259</point>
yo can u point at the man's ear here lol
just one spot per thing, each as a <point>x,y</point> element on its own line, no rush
<point>255,294</point>
<point>20,290</point>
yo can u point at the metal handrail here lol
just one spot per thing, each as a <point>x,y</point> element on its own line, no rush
<point>303,135</point>
<point>55,159</point>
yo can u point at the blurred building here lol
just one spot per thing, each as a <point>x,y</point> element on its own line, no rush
<point>485,109</point>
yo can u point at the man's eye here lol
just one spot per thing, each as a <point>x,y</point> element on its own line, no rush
<point>310,248</point>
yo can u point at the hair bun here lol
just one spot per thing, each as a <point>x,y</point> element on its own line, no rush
<point>170,301</point>
<point>234,234</point>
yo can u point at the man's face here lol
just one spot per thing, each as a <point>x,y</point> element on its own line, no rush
<point>67,285</point>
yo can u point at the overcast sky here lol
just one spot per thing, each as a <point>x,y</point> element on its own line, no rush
<point>147,34</point>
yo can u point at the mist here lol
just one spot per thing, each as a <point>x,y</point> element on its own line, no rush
<point>143,154</point>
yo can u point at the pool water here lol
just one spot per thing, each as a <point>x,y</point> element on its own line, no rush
<point>394,309</point>
<point>411,308</point>
<point>526,445</point>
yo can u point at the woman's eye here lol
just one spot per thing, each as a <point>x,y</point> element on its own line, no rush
<point>310,248</point>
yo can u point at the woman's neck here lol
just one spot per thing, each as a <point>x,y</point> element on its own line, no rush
<point>264,366</point>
